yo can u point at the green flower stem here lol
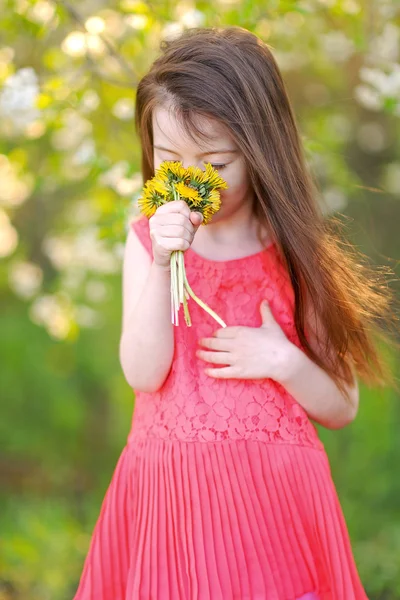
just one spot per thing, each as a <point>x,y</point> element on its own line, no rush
<point>186,312</point>
<point>172,301</point>
<point>181,280</point>
<point>174,287</point>
<point>183,296</point>
<point>200,302</point>
<point>180,288</point>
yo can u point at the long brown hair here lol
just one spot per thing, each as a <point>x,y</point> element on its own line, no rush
<point>230,75</point>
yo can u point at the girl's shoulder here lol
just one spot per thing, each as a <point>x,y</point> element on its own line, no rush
<point>140,225</point>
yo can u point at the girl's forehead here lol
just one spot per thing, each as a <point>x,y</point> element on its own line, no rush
<point>168,128</point>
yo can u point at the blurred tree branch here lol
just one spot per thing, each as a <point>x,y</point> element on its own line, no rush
<point>131,82</point>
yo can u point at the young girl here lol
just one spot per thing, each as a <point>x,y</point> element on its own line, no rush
<point>223,490</point>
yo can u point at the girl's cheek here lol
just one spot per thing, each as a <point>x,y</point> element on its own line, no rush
<point>236,189</point>
<point>236,179</point>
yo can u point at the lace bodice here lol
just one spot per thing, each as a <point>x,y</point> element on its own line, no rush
<point>192,406</point>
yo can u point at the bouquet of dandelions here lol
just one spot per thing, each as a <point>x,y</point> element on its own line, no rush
<point>199,189</point>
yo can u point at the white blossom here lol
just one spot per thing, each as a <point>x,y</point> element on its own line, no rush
<point>75,129</point>
<point>137,21</point>
<point>96,291</point>
<point>387,84</point>
<point>114,174</point>
<point>95,25</point>
<point>337,45</point>
<point>14,188</point>
<point>368,97</point>
<point>87,317</point>
<point>85,152</point>
<point>8,235</point>
<point>90,101</point>
<point>385,47</point>
<point>334,199</point>
<point>192,18</point>
<point>25,278</point>
<point>18,98</point>
<point>124,109</point>
<point>42,12</point>
<point>171,31</point>
<point>54,312</point>
<point>84,251</point>
<point>372,137</point>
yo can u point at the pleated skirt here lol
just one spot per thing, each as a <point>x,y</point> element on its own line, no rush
<point>232,520</point>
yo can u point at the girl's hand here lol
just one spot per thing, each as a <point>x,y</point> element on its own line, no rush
<point>172,227</point>
<point>249,352</point>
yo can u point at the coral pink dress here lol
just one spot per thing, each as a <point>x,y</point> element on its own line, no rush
<point>223,490</point>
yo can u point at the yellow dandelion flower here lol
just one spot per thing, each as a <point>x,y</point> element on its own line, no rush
<point>196,173</point>
<point>147,206</point>
<point>188,192</point>
<point>213,178</point>
<point>207,214</point>
<point>160,187</point>
<point>171,167</point>
<point>150,199</point>
<point>213,204</point>
<point>215,199</point>
<point>177,169</point>
<point>161,175</point>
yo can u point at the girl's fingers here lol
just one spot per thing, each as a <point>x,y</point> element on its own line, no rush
<point>225,373</point>
<point>214,343</point>
<point>176,231</point>
<point>176,206</point>
<point>217,358</point>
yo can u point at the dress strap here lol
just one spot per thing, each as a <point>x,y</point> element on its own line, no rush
<point>140,225</point>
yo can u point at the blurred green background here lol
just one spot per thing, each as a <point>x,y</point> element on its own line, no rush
<point>69,178</point>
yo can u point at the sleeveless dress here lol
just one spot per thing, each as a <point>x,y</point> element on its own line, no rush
<point>223,490</point>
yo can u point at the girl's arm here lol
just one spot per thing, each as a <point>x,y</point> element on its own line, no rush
<point>317,393</point>
<point>314,389</point>
<point>147,339</point>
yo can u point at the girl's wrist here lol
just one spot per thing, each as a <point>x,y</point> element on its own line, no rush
<point>162,268</point>
<point>292,361</point>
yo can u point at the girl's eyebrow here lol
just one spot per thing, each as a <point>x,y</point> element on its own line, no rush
<point>215,151</point>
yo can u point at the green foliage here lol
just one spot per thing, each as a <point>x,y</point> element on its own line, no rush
<point>70,177</point>
<point>43,548</point>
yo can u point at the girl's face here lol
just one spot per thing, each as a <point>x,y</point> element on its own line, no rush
<point>172,143</point>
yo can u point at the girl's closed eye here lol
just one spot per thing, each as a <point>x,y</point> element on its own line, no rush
<point>215,166</point>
